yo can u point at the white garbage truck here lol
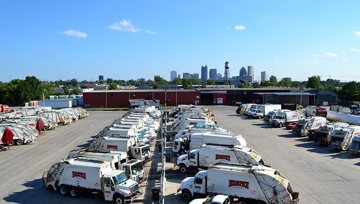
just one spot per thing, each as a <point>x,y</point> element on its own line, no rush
<point>140,151</point>
<point>208,155</point>
<point>133,168</point>
<point>242,183</point>
<point>341,138</point>
<point>284,117</point>
<point>309,126</point>
<point>77,176</point>
<point>195,140</point>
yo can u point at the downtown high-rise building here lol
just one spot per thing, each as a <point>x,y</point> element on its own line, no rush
<point>251,73</point>
<point>204,74</point>
<point>263,76</point>
<point>186,75</point>
<point>213,74</point>
<point>173,75</point>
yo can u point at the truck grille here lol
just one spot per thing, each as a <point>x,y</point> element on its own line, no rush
<point>134,189</point>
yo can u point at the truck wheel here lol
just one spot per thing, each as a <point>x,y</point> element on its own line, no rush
<point>1,148</point>
<point>74,192</point>
<point>118,199</point>
<point>19,142</point>
<point>280,125</point>
<point>186,195</point>
<point>63,190</point>
<point>183,169</point>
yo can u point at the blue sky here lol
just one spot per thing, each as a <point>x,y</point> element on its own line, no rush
<point>139,39</point>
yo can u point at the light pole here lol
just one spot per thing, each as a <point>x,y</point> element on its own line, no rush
<point>106,97</point>
<point>43,98</point>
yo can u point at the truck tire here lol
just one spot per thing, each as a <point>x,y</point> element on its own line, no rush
<point>19,142</point>
<point>63,190</point>
<point>74,192</point>
<point>183,169</point>
<point>1,148</point>
<point>118,199</point>
<point>186,195</point>
<point>280,125</point>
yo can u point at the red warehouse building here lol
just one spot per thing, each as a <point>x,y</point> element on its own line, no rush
<point>120,98</point>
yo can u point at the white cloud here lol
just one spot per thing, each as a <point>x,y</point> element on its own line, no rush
<point>75,33</point>
<point>331,54</point>
<point>239,27</point>
<point>357,33</point>
<point>150,32</point>
<point>351,50</point>
<point>124,25</point>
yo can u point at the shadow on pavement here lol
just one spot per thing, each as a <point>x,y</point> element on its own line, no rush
<point>36,193</point>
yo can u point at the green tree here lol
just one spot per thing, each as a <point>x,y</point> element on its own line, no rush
<point>31,89</point>
<point>273,80</point>
<point>285,82</point>
<point>255,85</point>
<point>210,82</point>
<point>113,86</point>
<point>109,80</point>
<point>350,91</point>
<point>297,84</point>
<point>244,85</point>
<point>177,81</point>
<point>76,91</point>
<point>187,83</point>
<point>159,80</point>
<point>265,83</point>
<point>314,82</point>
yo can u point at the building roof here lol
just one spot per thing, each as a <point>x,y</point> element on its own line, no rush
<point>293,94</point>
<point>141,90</point>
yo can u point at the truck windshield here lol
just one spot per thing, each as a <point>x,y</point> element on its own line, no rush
<point>137,168</point>
<point>120,178</point>
<point>339,133</point>
<point>145,150</point>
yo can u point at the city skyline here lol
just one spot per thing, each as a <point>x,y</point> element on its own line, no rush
<point>131,40</point>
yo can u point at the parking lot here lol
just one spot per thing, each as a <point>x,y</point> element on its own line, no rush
<point>320,175</point>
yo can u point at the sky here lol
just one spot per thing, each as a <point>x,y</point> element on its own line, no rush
<point>132,39</point>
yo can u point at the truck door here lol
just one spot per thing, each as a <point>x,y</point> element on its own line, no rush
<point>199,185</point>
<point>193,158</point>
<point>107,188</point>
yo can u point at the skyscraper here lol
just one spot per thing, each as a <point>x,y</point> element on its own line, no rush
<point>204,74</point>
<point>195,75</point>
<point>263,76</point>
<point>186,75</point>
<point>173,75</point>
<point>251,73</point>
<point>213,74</point>
<point>242,72</point>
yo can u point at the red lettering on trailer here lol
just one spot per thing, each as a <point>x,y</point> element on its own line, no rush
<point>221,156</point>
<point>79,174</point>
<point>294,116</point>
<point>111,147</point>
<point>193,123</point>
<point>243,184</point>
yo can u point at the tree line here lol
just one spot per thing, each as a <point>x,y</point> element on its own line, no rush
<point>18,91</point>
